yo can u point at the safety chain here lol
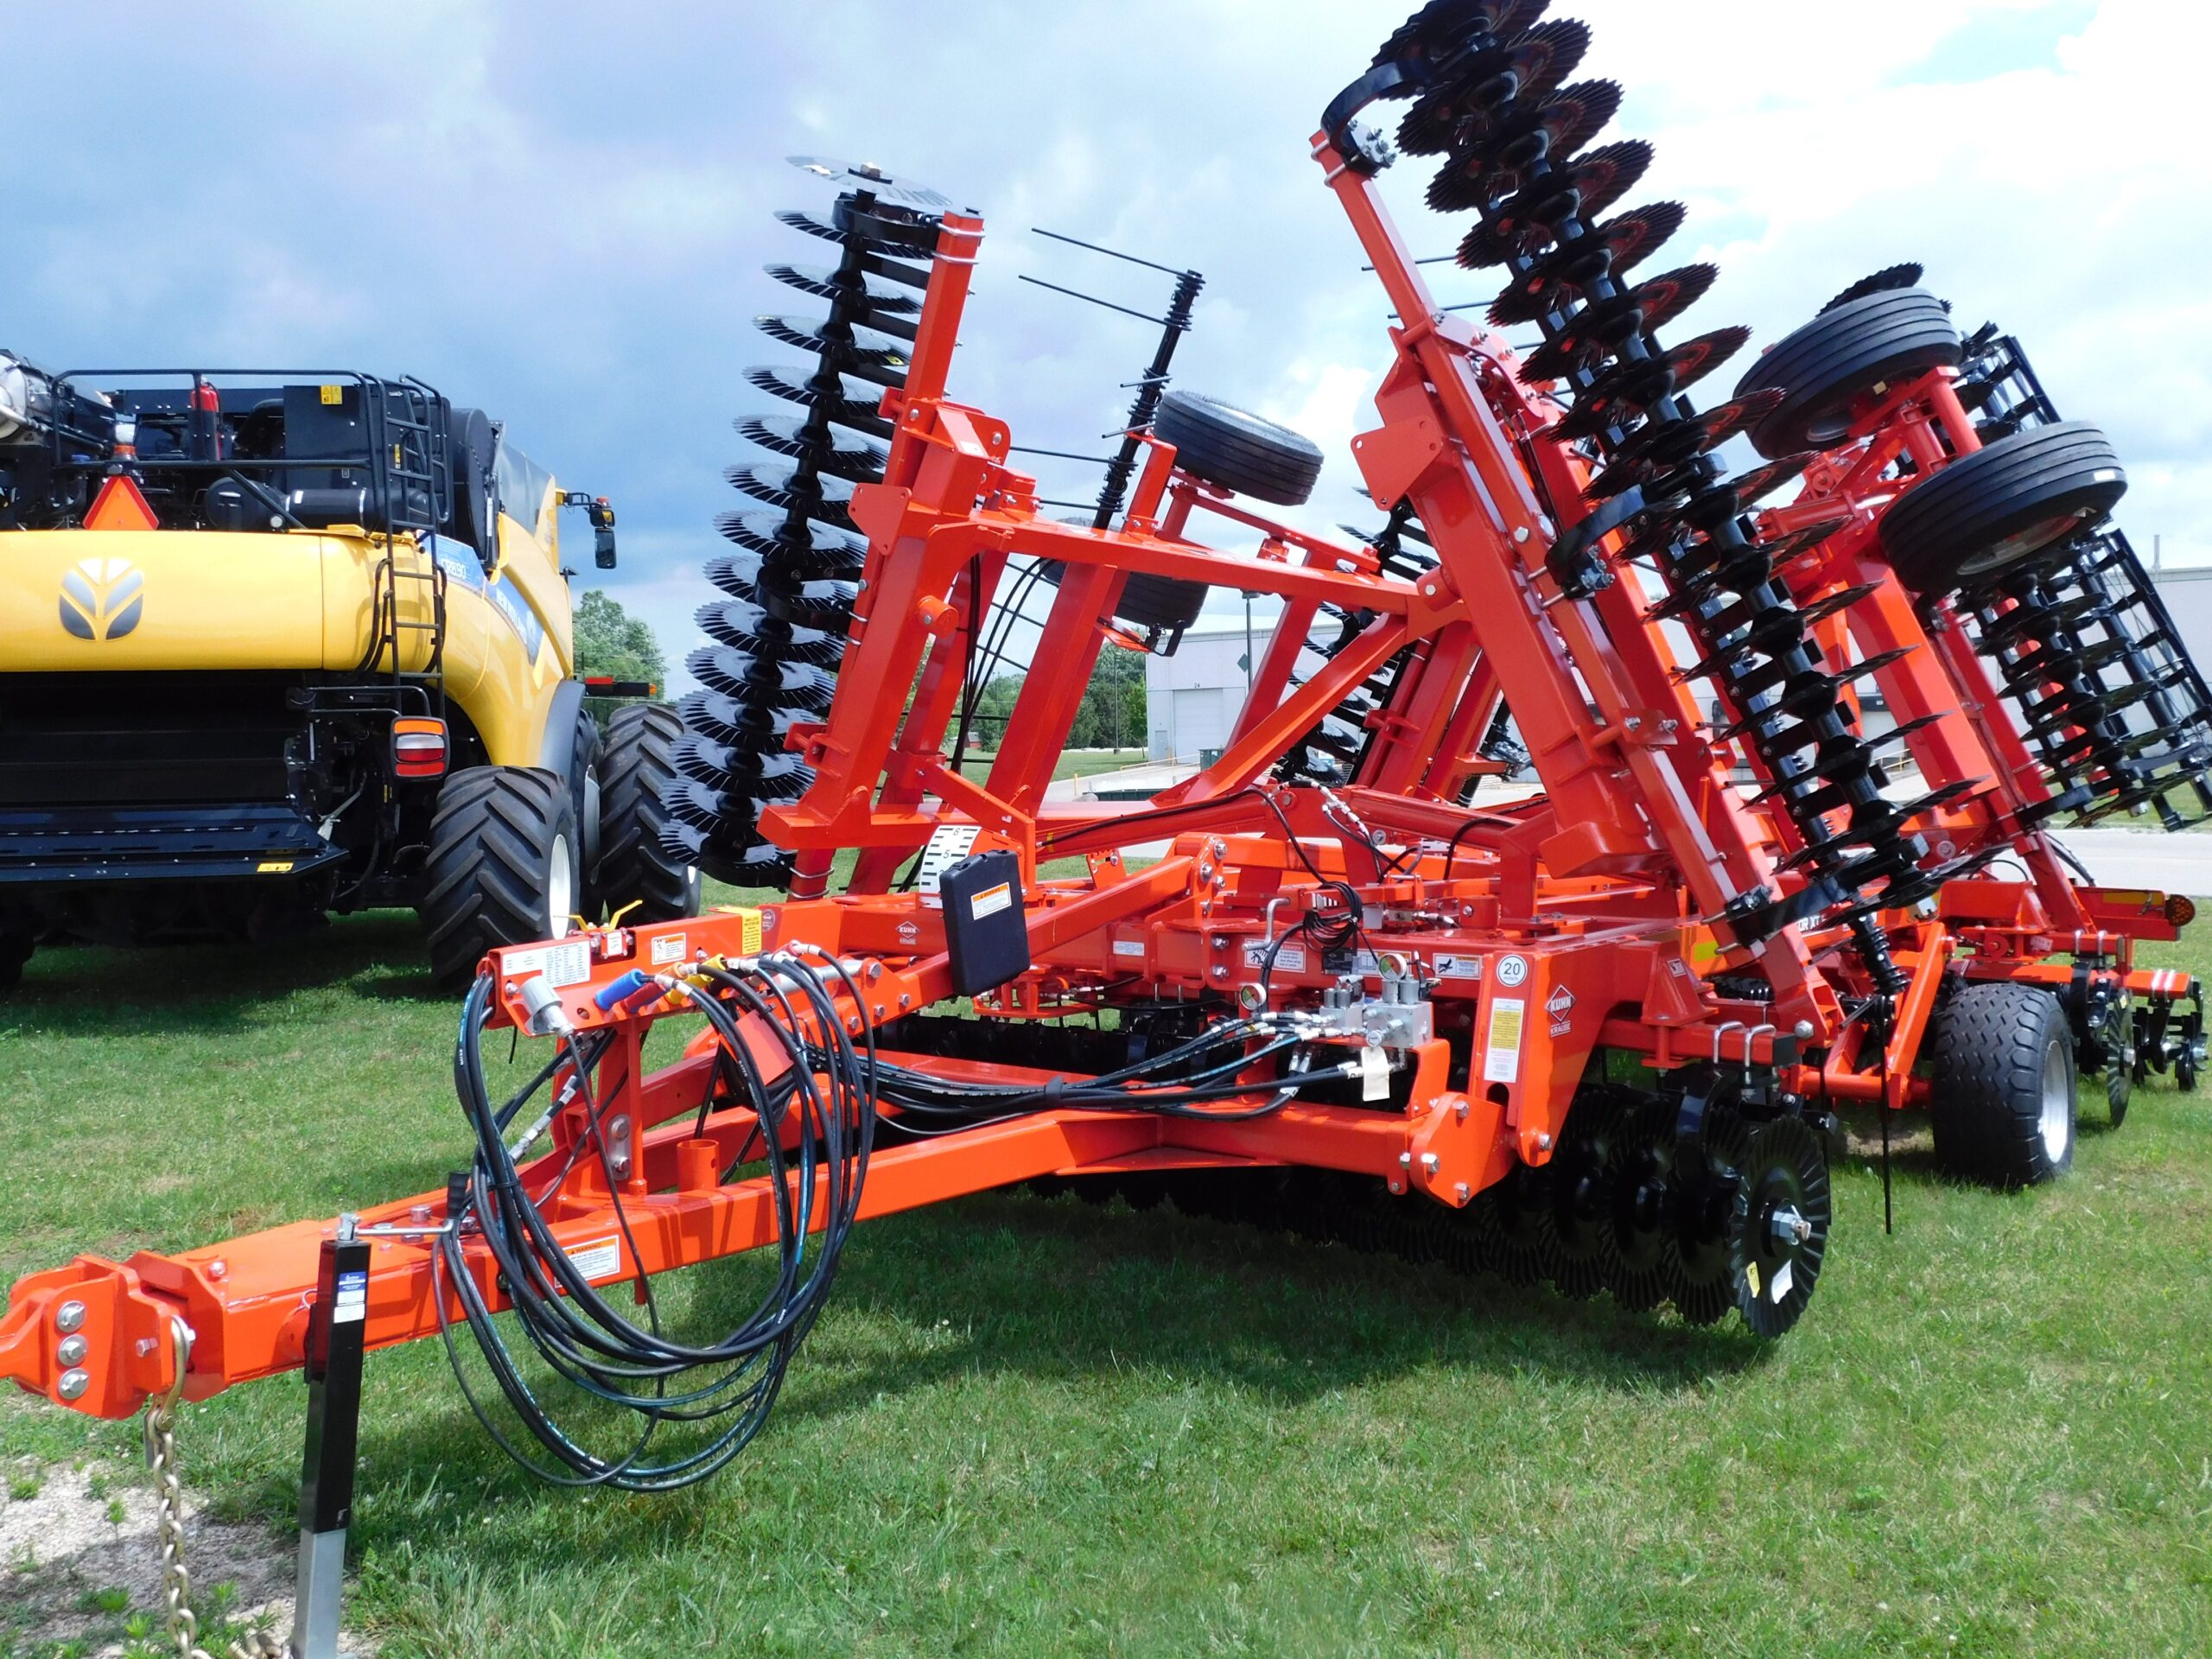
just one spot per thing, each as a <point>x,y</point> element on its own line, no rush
<point>176,1582</point>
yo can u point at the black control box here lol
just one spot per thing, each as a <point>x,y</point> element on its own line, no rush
<point>985,931</point>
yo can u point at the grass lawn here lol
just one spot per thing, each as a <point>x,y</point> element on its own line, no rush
<point>1029,1427</point>
<point>1072,763</point>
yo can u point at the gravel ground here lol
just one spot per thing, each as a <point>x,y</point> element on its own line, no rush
<point>76,1564</point>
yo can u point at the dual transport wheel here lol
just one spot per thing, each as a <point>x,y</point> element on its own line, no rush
<point>2014,503</point>
<point>510,860</point>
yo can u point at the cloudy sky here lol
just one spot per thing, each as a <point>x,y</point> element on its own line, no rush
<point>560,211</point>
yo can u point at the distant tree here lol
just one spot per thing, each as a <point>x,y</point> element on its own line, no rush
<point>1111,714</point>
<point>611,642</point>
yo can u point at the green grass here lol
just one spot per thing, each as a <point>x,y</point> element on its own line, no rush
<point>1027,1427</point>
<point>1073,763</point>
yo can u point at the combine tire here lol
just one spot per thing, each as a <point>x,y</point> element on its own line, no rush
<point>1225,446</point>
<point>502,868</point>
<point>584,767</point>
<point>1860,347</point>
<point>2000,506</point>
<point>637,779</point>
<point>2003,1105</point>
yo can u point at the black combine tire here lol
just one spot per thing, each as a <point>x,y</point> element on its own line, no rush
<point>637,780</point>
<point>502,867</point>
<point>584,791</point>
<point>1224,445</point>
<point>2001,506</point>
<point>2003,1106</point>
<point>1858,348</point>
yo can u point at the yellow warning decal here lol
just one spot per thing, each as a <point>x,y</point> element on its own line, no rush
<point>275,867</point>
<point>333,394</point>
<point>748,927</point>
<point>1502,1063</point>
<point>991,900</point>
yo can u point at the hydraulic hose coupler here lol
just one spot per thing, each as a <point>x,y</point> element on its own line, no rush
<point>542,1005</point>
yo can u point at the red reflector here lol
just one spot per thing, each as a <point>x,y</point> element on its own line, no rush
<point>2181,909</point>
<point>418,748</point>
<point>120,505</point>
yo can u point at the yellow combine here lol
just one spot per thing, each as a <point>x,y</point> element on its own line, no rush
<point>278,644</point>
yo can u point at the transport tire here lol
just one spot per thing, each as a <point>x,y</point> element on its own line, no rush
<point>2004,1104</point>
<point>502,868</point>
<point>1861,346</point>
<point>1151,601</point>
<point>1999,507</point>
<point>637,777</point>
<point>16,950</point>
<point>1224,445</point>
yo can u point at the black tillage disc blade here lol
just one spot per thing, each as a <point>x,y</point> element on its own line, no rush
<point>853,402</point>
<point>867,353</point>
<point>868,178</point>
<point>827,499</point>
<point>1612,249</point>
<point>1579,1209</point>
<point>1443,25</point>
<point>1539,60</point>
<point>1516,1237</point>
<point>849,458</point>
<point>1780,1226</point>
<point>823,283</point>
<point>1700,1275</point>
<point>811,549</point>
<point>1491,165</point>
<point>1639,1174</point>
<point>1586,186</point>
<point>813,224</point>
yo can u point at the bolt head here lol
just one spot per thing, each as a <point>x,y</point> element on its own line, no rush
<point>74,1384</point>
<point>1543,1141</point>
<point>72,1350</point>
<point>1801,1030</point>
<point>1429,1161</point>
<point>218,1269</point>
<point>1405,1160</point>
<point>69,1315</point>
<point>1462,1192</point>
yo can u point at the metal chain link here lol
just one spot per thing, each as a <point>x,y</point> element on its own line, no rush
<point>176,1582</point>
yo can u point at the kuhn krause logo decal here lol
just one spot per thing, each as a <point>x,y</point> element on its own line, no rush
<point>103,599</point>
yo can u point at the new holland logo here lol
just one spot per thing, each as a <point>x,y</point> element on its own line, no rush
<point>103,599</point>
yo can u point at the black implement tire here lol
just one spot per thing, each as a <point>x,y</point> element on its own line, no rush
<point>2001,506</point>
<point>1149,601</point>
<point>1224,445</point>
<point>2004,1101</point>
<point>502,867</point>
<point>637,776</point>
<point>1861,346</point>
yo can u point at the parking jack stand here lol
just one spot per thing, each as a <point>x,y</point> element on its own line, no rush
<point>334,1372</point>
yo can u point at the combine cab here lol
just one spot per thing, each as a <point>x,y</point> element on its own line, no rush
<point>279,644</point>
